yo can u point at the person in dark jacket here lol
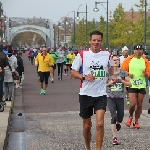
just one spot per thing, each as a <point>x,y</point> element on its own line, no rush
<point>3,63</point>
<point>20,68</point>
<point>32,55</point>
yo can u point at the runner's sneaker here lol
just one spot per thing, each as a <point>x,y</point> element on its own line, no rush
<point>58,78</point>
<point>128,102</point>
<point>52,80</point>
<point>118,126</point>
<point>115,141</point>
<point>136,126</point>
<point>18,86</point>
<point>44,92</point>
<point>128,123</point>
<point>41,92</point>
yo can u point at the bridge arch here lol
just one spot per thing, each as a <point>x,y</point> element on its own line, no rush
<point>46,33</point>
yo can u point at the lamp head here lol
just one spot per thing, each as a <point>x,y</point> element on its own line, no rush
<point>67,23</point>
<point>95,9</point>
<point>2,16</point>
<point>59,25</point>
<point>78,16</point>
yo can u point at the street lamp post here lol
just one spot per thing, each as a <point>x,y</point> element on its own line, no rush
<point>145,23</point>
<point>1,19</point>
<point>96,10</point>
<point>65,31</point>
<point>73,25</point>
<point>58,32</point>
<point>86,22</point>
<point>54,37</point>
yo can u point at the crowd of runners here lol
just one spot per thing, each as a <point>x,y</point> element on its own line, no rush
<point>106,79</point>
<point>110,79</point>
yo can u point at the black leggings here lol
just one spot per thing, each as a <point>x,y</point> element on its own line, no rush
<point>60,69</point>
<point>116,108</point>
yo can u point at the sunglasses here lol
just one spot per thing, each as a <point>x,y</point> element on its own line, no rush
<point>138,49</point>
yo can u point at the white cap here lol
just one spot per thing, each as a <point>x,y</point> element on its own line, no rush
<point>124,48</point>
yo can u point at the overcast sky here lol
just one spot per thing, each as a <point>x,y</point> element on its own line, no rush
<point>55,9</point>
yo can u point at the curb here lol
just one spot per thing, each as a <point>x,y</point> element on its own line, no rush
<point>8,125</point>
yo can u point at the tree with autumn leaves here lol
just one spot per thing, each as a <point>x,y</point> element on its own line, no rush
<point>122,31</point>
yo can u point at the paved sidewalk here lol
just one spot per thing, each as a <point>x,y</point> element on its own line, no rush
<point>4,120</point>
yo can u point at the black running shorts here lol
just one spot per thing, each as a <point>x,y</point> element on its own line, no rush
<point>136,90</point>
<point>89,104</point>
<point>44,76</point>
<point>54,66</point>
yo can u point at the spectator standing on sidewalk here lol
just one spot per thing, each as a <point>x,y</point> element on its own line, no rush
<point>60,61</point>
<point>90,66</point>
<point>44,61</point>
<point>8,80</point>
<point>3,63</point>
<point>20,68</point>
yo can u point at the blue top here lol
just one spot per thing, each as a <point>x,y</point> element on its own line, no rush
<point>5,51</point>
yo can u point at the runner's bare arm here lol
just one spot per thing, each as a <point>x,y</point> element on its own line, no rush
<point>108,83</point>
<point>76,74</point>
<point>126,81</point>
<point>36,61</point>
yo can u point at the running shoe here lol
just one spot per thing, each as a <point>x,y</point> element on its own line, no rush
<point>136,126</point>
<point>44,92</point>
<point>52,80</point>
<point>115,141</point>
<point>129,121</point>
<point>41,92</point>
<point>128,102</point>
<point>18,86</point>
<point>118,126</point>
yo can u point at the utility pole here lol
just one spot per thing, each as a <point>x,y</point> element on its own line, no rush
<point>145,23</point>
<point>1,20</point>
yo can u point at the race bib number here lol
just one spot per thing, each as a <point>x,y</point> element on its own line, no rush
<point>117,87</point>
<point>137,82</point>
<point>98,74</point>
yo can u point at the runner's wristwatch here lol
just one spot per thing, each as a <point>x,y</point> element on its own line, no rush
<point>83,77</point>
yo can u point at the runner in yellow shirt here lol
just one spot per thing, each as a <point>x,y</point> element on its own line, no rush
<point>44,61</point>
<point>70,59</point>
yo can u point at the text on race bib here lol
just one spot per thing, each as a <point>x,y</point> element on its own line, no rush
<point>98,74</point>
<point>116,87</point>
<point>137,82</point>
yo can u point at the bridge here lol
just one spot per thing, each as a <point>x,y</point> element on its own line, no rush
<point>43,27</point>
